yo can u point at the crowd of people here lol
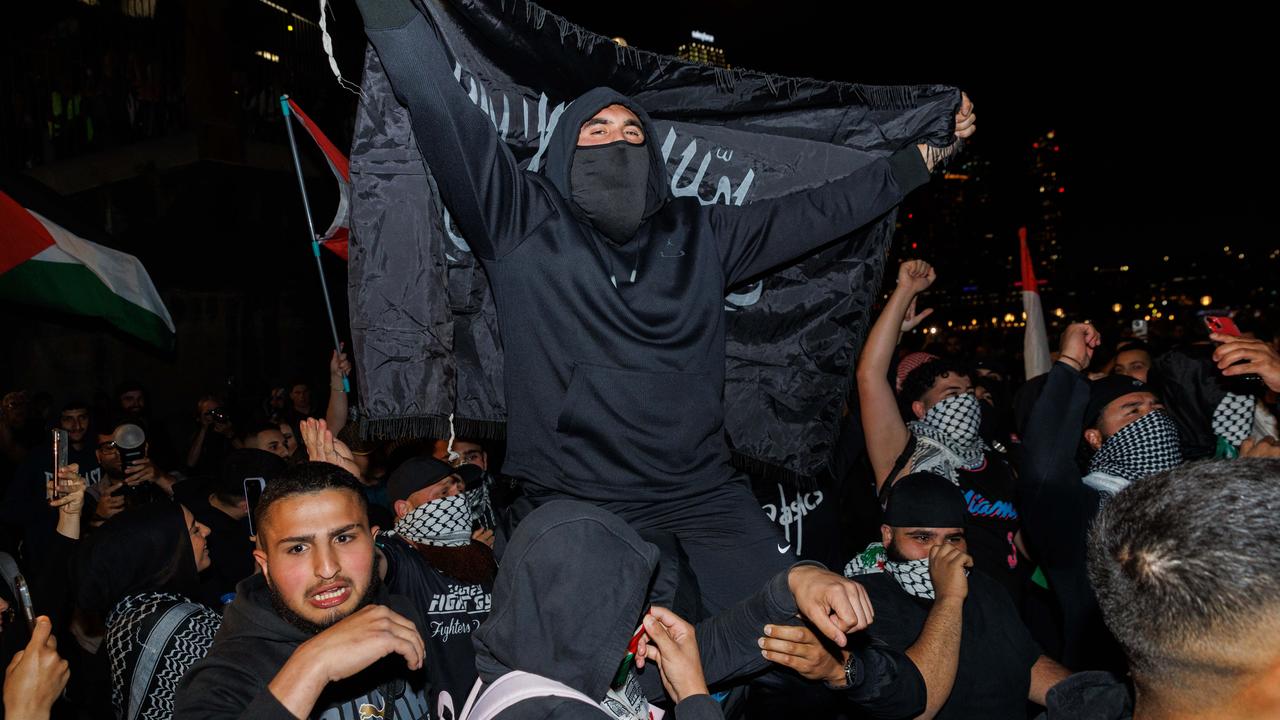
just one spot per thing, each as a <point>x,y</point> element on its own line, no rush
<point>1096,539</point>
<point>1040,539</point>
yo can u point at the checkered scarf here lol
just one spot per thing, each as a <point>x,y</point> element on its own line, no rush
<point>1144,447</point>
<point>912,576</point>
<point>1233,418</point>
<point>954,423</point>
<point>445,522</point>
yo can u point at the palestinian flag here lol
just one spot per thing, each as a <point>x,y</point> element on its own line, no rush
<point>339,232</point>
<point>46,265</point>
<point>1035,341</point>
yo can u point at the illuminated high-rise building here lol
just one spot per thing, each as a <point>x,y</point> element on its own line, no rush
<point>1050,190</point>
<point>702,49</point>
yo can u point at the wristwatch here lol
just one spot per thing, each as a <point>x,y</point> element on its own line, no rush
<point>850,674</point>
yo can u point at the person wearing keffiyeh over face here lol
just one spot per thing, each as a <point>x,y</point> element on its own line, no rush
<point>943,435</point>
<point>957,626</point>
<point>1131,437</point>
<point>432,558</point>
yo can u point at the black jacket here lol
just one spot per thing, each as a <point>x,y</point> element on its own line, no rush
<point>254,643</point>
<point>1057,512</point>
<point>572,589</point>
<point>614,380</point>
<point>1089,696</point>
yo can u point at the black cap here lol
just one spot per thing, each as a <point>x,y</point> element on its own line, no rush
<point>423,471</point>
<point>1103,391</point>
<point>923,499</point>
<point>248,463</point>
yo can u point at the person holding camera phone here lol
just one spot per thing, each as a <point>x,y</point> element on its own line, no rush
<point>129,476</point>
<point>212,439</point>
<point>25,504</point>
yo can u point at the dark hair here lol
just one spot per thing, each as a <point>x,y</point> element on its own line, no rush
<point>146,548</point>
<point>921,380</point>
<point>306,479</point>
<point>258,426</point>
<point>129,386</point>
<point>1186,560</point>
<point>75,403</point>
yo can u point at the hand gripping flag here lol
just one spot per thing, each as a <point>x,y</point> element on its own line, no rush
<point>422,316</point>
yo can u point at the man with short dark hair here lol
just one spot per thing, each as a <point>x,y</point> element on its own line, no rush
<point>960,629</point>
<point>1132,360</point>
<point>25,505</point>
<point>1193,597</point>
<point>944,437</point>
<point>433,559</point>
<point>265,436</point>
<point>315,634</point>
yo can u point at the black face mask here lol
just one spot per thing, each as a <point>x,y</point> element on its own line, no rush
<point>610,185</point>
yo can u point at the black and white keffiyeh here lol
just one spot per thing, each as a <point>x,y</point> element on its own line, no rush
<point>912,575</point>
<point>947,438</point>
<point>1233,418</point>
<point>445,522</point>
<point>152,640</point>
<point>482,505</point>
<point>1144,447</point>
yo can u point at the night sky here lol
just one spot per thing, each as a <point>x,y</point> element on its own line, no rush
<point>1160,114</point>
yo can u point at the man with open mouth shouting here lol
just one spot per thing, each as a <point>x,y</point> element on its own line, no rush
<point>316,633</point>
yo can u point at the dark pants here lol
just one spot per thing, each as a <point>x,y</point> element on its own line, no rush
<point>731,547</point>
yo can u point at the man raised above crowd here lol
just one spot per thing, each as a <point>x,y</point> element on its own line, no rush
<point>610,298</point>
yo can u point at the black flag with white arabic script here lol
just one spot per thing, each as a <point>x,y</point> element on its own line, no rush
<point>422,316</point>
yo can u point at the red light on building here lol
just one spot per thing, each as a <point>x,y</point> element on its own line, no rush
<point>1062,189</point>
<point>913,246</point>
<point>1035,146</point>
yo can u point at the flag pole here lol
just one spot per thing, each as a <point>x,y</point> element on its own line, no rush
<point>315,239</point>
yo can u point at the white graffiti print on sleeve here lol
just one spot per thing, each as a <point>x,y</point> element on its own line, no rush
<point>791,514</point>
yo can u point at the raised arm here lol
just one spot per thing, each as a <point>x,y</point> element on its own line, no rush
<point>488,195</point>
<point>767,233</point>
<point>336,413</point>
<point>886,433</point>
<point>1057,417</point>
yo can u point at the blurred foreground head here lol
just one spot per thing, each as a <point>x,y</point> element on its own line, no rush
<point>1186,566</point>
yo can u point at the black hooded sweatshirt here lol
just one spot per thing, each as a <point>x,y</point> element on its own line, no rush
<point>255,642</point>
<point>572,589</point>
<point>614,352</point>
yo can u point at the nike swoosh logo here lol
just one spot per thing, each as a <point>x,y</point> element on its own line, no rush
<point>784,550</point>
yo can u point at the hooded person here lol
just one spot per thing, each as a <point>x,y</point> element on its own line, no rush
<point>610,299</point>
<point>139,572</point>
<point>1122,425</point>
<point>571,595</point>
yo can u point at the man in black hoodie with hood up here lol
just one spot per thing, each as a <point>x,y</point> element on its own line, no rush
<point>610,297</point>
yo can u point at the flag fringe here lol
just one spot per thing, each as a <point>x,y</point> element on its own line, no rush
<point>428,426</point>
